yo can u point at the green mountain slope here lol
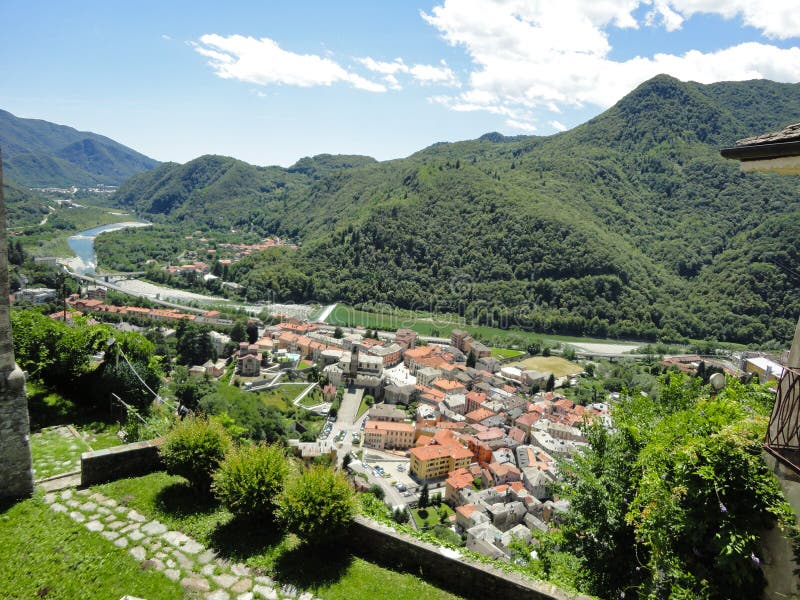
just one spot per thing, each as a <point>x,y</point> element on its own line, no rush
<point>628,225</point>
<point>39,153</point>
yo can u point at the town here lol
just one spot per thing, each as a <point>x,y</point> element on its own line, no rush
<point>444,423</point>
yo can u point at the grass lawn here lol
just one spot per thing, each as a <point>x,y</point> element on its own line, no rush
<point>57,450</point>
<point>331,575</point>
<point>428,517</point>
<point>502,353</point>
<point>313,398</point>
<point>48,555</point>
<point>54,448</point>
<point>553,364</point>
<point>440,325</point>
<point>363,407</point>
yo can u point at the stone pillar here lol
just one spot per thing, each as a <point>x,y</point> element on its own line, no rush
<point>16,472</point>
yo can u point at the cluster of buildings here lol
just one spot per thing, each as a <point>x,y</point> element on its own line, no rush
<point>498,464</point>
<point>81,306</point>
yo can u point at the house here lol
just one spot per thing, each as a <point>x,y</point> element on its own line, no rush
<point>476,416</point>
<point>219,341</point>
<point>448,386</point>
<point>388,435</point>
<point>215,369</point>
<point>399,394</point>
<point>455,482</point>
<point>249,365</point>
<point>386,412</point>
<point>391,355</point>
<point>764,368</point>
<point>503,473</point>
<point>407,338</point>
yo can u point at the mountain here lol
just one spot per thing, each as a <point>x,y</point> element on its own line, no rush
<point>38,154</point>
<point>628,225</point>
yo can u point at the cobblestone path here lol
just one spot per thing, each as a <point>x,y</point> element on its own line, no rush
<point>198,569</point>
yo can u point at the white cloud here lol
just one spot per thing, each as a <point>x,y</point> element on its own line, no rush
<point>557,125</point>
<point>774,18</point>
<point>547,55</point>
<point>263,62</point>
<point>522,126</point>
<point>164,36</point>
<point>424,74</point>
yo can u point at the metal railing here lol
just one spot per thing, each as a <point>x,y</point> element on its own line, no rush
<point>783,433</point>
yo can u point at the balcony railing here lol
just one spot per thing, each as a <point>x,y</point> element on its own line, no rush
<point>783,433</point>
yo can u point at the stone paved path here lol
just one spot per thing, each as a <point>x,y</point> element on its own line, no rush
<point>200,571</point>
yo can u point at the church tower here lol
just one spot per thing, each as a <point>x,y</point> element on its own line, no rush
<point>16,472</point>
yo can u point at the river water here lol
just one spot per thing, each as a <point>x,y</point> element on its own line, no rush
<point>82,244</point>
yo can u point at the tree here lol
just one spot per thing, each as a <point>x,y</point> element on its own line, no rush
<point>377,491</point>
<point>471,359</point>
<point>252,332</point>
<point>317,505</point>
<point>338,333</point>
<point>534,349</point>
<point>238,332</point>
<point>551,383</point>
<point>348,458</point>
<point>424,498</point>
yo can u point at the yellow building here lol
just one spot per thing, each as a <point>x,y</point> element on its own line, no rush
<point>435,461</point>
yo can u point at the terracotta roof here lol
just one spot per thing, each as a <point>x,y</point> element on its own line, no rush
<point>466,510</point>
<point>460,478</point>
<point>425,453</point>
<point>389,426</point>
<point>480,414</point>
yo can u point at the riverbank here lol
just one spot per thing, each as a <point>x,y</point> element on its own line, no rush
<point>82,245</point>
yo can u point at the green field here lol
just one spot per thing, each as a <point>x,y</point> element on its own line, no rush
<point>549,364</point>
<point>331,576</point>
<point>503,353</point>
<point>428,517</point>
<point>427,324</point>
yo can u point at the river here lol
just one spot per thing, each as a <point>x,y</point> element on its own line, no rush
<point>82,244</point>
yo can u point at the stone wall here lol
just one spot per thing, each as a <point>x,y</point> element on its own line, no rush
<point>16,472</point>
<point>129,460</point>
<point>378,543</point>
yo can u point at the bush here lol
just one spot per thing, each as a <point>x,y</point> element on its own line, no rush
<point>317,505</point>
<point>250,478</point>
<point>194,449</point>
<point>377,491</point>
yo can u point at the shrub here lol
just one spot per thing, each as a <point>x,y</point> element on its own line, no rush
<point>377,491</point>
<point>194,449</point>
<point>250,478</point>
<point>317,505</point>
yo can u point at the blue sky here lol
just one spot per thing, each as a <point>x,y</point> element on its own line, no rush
<point>270,82</point>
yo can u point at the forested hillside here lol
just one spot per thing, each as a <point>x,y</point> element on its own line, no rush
<point>628,225</point>
<point>38,153</point>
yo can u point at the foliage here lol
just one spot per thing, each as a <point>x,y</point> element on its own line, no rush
<point>600,231</point>
<point>424,496</point>
<point>194,449</point>
<point>672,502</point>
<point>377,491</point>
<point>317,505</point>
<point>250,478</point>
